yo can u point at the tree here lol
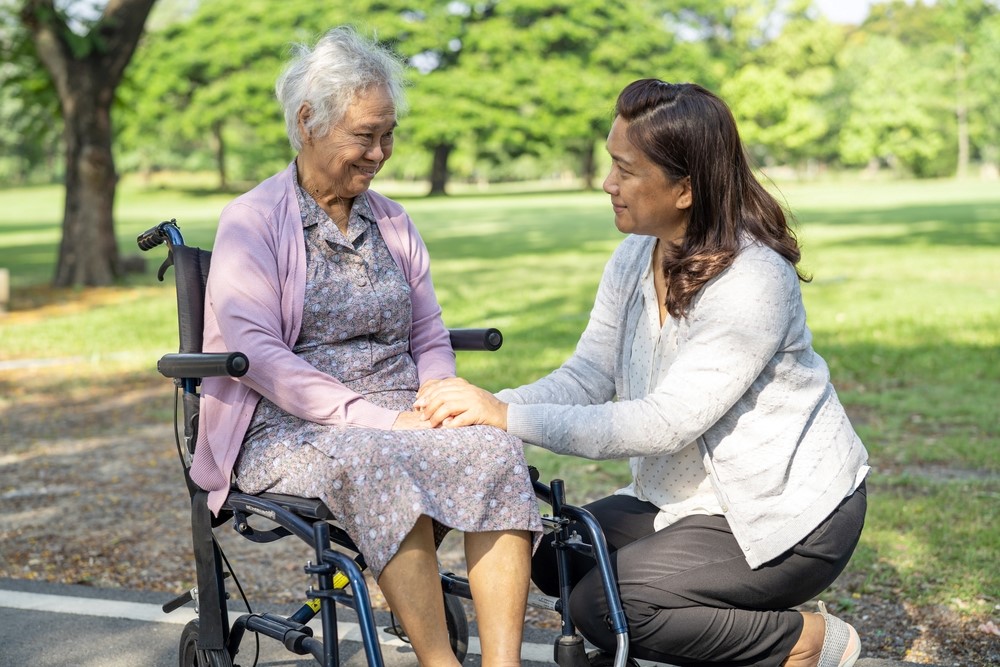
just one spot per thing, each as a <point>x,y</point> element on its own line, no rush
<point>895,111</point>
<point>86,69</point>
<point>952,38</point>
<point>780,96</point>
<point>201,90</point>
<point>984,91</point>
<point>201,80</point>
<point>560,66</point>
<point>446,103</point>
<point>29,108</point>
<point>959,20</point>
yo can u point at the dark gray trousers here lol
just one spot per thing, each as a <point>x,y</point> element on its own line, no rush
<point>688,594</point>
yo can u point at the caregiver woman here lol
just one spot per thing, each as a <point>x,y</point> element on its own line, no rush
<point>747,496</point>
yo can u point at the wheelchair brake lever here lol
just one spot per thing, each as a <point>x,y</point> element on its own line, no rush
<point>167,263</point>
<point>184,598</point>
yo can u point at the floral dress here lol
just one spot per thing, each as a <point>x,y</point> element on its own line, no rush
<point>356,325</point>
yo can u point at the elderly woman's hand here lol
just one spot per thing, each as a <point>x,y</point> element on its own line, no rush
<point>410,421</point>
<point>455,402</point>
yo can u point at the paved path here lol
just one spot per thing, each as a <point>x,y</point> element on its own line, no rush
<point>50,625</point>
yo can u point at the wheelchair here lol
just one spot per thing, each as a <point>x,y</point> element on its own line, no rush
<point>336,576</point>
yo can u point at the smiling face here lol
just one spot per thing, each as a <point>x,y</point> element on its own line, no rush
<point>645,201</point>
<point>343,163</point>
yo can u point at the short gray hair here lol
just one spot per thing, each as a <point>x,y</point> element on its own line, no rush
<point>329,75</point>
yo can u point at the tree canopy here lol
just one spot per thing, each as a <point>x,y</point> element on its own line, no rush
<point>499,82</point>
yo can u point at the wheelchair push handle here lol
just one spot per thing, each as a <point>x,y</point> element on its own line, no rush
<point>489,339</point>
<point>165,232</point>
<point>202,365</point>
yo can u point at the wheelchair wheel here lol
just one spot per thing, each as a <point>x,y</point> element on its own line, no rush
<point>458,626</point>
<point>190,656</point>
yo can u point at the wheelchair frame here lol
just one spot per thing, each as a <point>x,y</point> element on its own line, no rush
<point>210,641</point>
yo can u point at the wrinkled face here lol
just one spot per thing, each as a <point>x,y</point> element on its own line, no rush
<point>344,162</point>
<point>645,201</point>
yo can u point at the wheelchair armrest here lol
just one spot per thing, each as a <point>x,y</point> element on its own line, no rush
<point>310,508</point>
<point>202,365</point>
<point>489,339</point>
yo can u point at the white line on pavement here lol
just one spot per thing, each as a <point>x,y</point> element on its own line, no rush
<point>151,613</point>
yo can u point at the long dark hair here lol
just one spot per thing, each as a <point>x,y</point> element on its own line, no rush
<point>689,132</point>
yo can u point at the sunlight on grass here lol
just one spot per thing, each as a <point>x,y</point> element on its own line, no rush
<point>939,537</point>
<point>904,306</point>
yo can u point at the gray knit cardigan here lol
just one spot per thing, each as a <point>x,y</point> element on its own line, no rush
<point>743,382</point>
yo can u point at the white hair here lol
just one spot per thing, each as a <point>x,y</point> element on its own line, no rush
<point>328,76</point>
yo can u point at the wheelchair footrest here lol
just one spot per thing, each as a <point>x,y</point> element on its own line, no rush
<point>293,635</point>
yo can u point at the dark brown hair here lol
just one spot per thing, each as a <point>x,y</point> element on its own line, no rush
<point>689,132</point>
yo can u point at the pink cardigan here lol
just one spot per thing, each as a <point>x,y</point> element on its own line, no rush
<point>253,305</point>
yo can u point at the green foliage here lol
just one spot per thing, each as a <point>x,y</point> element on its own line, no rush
<point>781,97</point>
<point>524,87</point>
<point>984,89</point>
<point>29,108</point>
<point>892,117</point>
<point>214,102</point>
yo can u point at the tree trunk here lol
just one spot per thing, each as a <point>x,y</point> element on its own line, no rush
<point>85,72</point>
<point>588,166</point>
<point>439,169</point>
<point>88,252</point>
<point>220,155</point>
<point>962,113</point>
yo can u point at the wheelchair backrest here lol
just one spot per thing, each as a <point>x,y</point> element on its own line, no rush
<point>191,267</point>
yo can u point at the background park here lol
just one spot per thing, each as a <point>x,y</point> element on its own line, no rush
<point>882,137</point>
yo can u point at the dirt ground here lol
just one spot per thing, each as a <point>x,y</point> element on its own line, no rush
<point>91,493</point>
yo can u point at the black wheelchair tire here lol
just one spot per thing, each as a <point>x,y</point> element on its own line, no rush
<point>190,656</point>
<point>458,626</point>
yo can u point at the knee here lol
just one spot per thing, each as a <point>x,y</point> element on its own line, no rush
<point>591,614</point>
<point>640,611</point>
<point>588,608</point>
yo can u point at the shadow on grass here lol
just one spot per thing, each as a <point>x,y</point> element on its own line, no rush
<point>959,224</point>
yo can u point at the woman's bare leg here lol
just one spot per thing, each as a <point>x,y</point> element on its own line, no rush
<point>806,651</point>
<point>499,565</point>
<point>412,587</point>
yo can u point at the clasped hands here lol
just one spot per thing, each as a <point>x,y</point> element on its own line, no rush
<point>452,403</point>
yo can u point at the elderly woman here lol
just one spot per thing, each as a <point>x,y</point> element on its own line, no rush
<point>748,495</point>
<point>325,285</point>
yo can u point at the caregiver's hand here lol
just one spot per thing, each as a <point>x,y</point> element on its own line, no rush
<point>455,402</point>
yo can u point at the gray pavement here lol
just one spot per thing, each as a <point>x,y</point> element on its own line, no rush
<point>49,625</point>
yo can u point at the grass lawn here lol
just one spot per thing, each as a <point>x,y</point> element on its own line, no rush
<point>904,305</point>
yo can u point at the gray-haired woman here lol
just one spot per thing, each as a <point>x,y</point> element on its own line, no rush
<point>326,286</point>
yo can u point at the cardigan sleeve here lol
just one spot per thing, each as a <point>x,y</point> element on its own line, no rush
<point>430,343</point>
<point>733,330</point>
<point>252,289</point>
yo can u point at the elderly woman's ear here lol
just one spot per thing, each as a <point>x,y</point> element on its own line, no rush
<point>305,113</point>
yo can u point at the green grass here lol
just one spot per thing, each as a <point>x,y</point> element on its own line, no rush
<point>904,306</point>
